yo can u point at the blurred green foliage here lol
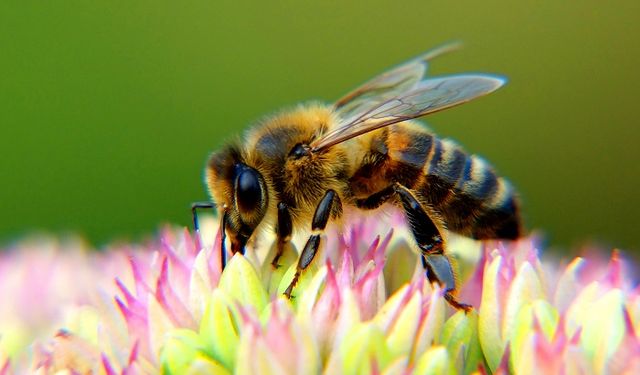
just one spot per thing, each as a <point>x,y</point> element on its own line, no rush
<point>108,109</point>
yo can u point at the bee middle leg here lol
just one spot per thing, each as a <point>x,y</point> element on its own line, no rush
<point>427,236</point>
<point>329,203</point>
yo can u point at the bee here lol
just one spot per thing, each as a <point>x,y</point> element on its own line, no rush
<point>300,168</point>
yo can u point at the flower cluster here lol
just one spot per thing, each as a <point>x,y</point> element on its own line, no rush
<point>364,306</point>
<point>47,284</point>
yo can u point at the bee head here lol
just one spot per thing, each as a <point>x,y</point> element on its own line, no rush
<point>240,191</point>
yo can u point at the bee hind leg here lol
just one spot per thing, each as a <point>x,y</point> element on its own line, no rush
<point>427,236</point>
<point>431,244</point>
<point>329,203</point>
<point>439,270</point>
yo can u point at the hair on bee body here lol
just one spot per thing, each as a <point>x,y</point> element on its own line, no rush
<point>299,168</point>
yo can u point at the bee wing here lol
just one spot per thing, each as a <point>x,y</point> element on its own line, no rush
<point>390,83</point>
<point>427,96</point>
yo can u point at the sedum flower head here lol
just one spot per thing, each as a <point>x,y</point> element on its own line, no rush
<point>46,284</point>
<point>580,318</point>
<point>363,307</point>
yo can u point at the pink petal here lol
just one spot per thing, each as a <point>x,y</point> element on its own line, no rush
<point>190,243</point>
<point>170,302</point>
<point>614,275</point>
<point>215,262</point>
<point>106,365</point>
<point>6,367</point>
<point>181,267</point>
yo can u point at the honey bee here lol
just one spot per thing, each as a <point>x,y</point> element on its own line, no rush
<point>299,168</point>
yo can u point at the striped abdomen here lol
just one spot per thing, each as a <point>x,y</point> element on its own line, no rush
<point>465,190</point>
<point>462,188</point>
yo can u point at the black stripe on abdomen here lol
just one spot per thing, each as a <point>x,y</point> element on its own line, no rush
<point>478,204</point>
<point>501,215</point>
<point>442,172</point>
<point>479,181</point>
<point>447,162</point>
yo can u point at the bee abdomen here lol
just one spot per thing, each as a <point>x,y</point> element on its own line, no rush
<point>501,215</point>
<point>478,180</point>
<point>471,198</point>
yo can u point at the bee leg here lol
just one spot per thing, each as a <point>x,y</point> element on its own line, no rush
<point>377,199</point>
<point>426,234</point>
<point>329,202</point>
<point>194,212</point>
<point>431,243</point>
<point>439,270</point>
<point>223,238</point>
<point>283,232</point>
<point>223,221</point>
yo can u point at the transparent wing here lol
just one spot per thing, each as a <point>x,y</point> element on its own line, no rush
<point>427,96</point>
<point>389,84</point>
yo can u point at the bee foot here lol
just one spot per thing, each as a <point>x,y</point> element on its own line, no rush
<point>456,304</point>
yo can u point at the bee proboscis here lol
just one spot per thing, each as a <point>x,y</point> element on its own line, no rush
<point>299,168</point>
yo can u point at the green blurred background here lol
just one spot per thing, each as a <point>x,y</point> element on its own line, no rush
<point>108,109</point>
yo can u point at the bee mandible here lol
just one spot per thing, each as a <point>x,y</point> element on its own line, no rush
<point>299,168</point>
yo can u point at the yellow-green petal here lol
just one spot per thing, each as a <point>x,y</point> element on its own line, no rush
<point>303,281</point>
<point>202,365</point>
<point>398,366</point>
<point>603,328</point>
<point>466,253</point>
<point>218,329</point>
<point>545,315</point>
<point>385,316</point>
<point>400,264</point>
<point>307,300</point>
<point>401,337</point>
<point>460,335</point>
<point>363,344</point>
<point>272,277</point>
<point>577,312</point>
<point>525,288</point>
<point>180,348</point>
<point>84,322</point>
<point>489,322</point>
<point>435,361</point>
<point>240,281</point>
<point>14,340</point>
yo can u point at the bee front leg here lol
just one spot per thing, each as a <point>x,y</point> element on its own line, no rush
<point>283,232</point>
<point>194,212</point>
<point>329,202</point>
<point>223,221</point>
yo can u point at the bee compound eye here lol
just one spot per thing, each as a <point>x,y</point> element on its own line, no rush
<point>248,190</point>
